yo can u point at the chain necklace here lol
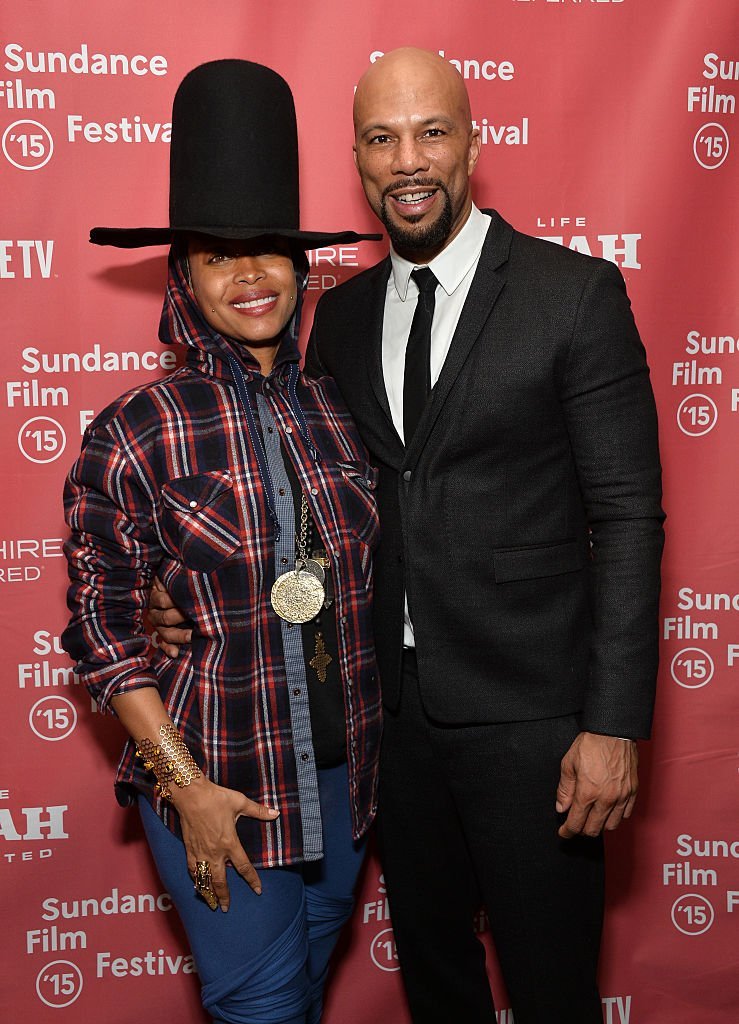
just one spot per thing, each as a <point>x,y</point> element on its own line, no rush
<point>298,594</point>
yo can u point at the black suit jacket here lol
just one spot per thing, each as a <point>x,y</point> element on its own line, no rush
<point>524,519</point>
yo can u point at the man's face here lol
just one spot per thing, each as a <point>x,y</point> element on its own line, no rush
<point>415,150</point>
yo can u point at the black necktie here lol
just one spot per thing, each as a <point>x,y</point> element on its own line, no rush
<point>417,379</point>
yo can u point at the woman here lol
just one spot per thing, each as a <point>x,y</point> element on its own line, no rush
<point>245,487</point>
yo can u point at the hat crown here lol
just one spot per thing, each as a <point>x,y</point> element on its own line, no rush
<point>234,150</point>
<point>233,169</point>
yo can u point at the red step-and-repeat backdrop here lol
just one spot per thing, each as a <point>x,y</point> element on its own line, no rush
<point>609,126</point>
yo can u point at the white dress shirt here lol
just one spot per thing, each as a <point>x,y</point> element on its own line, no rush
<point>454,269</point>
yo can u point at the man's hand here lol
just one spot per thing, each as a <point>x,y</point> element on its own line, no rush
<point>597,785</point>
<point>167,619</point>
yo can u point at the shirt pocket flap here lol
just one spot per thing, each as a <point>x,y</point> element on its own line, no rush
<point>200,519</point>
<point>532,563</point>
<point>194,493</point>
<point>357,483</point>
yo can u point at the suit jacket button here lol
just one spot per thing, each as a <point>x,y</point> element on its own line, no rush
<point>407,476</point>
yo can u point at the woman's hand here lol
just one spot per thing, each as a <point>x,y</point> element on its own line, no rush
<point>208,815</point>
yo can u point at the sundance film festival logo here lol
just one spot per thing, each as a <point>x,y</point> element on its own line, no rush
<point>711,142</point>
<point>382,945</point>
<point>708,382</point>
<point>52,716</point>
<point>693,667</point>
<point>59,982</point>
<point>42,438</point>
<point>27,142</point>
<point>701,865</point>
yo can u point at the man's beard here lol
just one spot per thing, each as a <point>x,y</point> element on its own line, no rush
<point>426,239</point>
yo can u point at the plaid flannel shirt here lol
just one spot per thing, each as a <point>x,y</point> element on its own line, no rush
<point>168,483</point>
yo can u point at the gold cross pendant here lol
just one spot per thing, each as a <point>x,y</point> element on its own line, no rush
<point>321,659</point>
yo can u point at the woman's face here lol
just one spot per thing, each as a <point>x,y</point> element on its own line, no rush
<point>246,290</point>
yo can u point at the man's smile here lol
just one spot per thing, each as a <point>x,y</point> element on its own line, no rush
<point>416,200</point>
<point>413,197</point>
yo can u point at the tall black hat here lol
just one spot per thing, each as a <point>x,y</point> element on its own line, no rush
<point>233,169</point>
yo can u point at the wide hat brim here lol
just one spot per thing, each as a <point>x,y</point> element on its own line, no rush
<point>136,238</point>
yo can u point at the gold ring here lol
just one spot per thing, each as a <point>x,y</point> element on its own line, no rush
<point>204,883</point>
<point>203,878</point>
<point>210,897</point>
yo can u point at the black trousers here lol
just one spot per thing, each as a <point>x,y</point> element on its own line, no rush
<point>466,819</point>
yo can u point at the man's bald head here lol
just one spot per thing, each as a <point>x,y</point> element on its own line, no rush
<point>409,68</point>
<point>415,149</point>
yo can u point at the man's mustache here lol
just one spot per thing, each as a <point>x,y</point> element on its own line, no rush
<point>417,183</point>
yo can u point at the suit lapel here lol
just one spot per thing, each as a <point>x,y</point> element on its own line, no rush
<point>374,320</point>
<point>486,286</point>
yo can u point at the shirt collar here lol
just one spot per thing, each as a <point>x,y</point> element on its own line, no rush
<point>453,262</point>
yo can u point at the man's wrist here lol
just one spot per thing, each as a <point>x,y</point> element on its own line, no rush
<point>625,739</point>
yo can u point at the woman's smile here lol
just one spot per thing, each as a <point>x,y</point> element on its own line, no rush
<point>256,303</point>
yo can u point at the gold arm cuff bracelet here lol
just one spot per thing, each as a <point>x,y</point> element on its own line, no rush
<point>169,760</point>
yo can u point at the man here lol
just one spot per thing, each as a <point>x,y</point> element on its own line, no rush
<point>517,578</point>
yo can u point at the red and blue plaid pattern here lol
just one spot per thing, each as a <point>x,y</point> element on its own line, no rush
<point>167,482</point>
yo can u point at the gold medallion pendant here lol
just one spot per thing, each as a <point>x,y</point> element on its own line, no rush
<point>298,595</point>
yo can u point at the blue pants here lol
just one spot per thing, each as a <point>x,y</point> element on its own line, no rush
<point>266,960</point>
